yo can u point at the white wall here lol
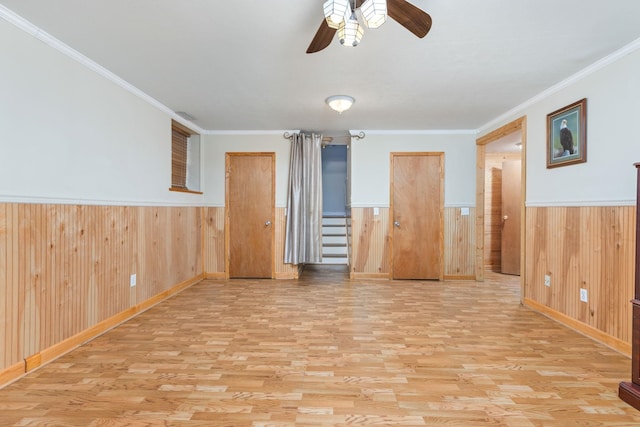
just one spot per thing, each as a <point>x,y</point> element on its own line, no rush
<point>70,135</point>
<point>370,165</point>
<point>613,143</point>
<point>215,147</point>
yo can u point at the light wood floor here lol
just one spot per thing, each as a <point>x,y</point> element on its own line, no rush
<point>326,351</point>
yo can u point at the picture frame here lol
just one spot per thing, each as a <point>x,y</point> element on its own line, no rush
<point>567,135</point>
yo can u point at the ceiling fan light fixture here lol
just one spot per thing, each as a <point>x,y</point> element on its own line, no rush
<point>336,12</point>
<point>374,13</point>
<point>340,103</point>
<point>350,32</point>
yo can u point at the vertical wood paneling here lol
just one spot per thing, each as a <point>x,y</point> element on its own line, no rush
<point>15,345</point>
<point>282,270</point>
<point>214,244</point>
<point>150,221</point>
<point>170,249</point>
<point>64,268</point>
<point>583,247</point>
<point>4,287</point>
<point>214,240</point>
<point>349,240</point>
<point>459,244</point>
<point>370,240</point>
<point>23,261</point>
<point>28,226</point>
<point>93,274</point>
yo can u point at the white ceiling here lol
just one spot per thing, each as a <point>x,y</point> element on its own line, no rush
<point>242,65</point>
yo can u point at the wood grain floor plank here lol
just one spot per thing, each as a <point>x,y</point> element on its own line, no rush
<point>327,351</point>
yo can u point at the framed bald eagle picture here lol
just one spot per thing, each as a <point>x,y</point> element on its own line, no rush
<point>567,135</point>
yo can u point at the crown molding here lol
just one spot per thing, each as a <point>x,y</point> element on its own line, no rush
<point>249,132</point>
<point>416,132</point>
<point>585,72</point>
<point>65,49</point>
<point>51,41</point>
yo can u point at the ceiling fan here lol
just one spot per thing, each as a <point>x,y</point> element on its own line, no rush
<point>409,16</point>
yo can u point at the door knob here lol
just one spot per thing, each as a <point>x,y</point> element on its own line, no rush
<point>506,217</point>
<point>396,223</point>
<point>268,223</point>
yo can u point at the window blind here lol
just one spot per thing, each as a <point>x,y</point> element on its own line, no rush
<point>179,142</point>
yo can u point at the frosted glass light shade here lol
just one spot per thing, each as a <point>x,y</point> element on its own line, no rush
<point>340,103</point>
<point>336,12</point>
<point>374,13</point>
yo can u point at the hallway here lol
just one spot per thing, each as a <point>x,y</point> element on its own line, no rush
<point>326,351</point>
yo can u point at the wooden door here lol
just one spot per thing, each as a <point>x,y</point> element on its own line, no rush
<point>511,205</point>
<point>250,200</point>
<point>417,215</point>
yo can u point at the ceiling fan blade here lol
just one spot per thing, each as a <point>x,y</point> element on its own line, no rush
<point>409,16</point>
<point>322,39</point>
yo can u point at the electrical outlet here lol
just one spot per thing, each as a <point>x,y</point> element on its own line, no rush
<point>132,280</point>
<point>547,280</point>
<point>584,296</point>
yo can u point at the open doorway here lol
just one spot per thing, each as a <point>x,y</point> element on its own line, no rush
<point>336,213</point>
<point>483,207</point>
<point>503,161</point>
<point>335,204</point>
<point>334,180</point>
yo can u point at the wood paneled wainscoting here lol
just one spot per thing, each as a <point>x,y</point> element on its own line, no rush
<point>370,243</point>
<point>213,242</point>
<point>282,270</point>
<point>66,272</point>
<point>588,248</point>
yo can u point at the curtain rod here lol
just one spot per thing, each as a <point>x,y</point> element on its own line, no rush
<point>359,136</point>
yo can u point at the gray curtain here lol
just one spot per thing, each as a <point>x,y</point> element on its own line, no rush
<point>303,238</point>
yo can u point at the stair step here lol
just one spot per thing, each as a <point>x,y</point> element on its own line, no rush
<point>333,221</point>
<point>334,261</point>
<point>334,240</point>
<point>335,251</point>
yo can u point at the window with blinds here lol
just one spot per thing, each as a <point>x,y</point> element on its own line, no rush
<point>179,145</point>
<point>185,159</point>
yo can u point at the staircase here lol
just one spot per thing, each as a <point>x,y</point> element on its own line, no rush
<point>334,240</point>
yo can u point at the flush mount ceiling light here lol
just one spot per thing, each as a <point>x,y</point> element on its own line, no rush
<point>340,103</point>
